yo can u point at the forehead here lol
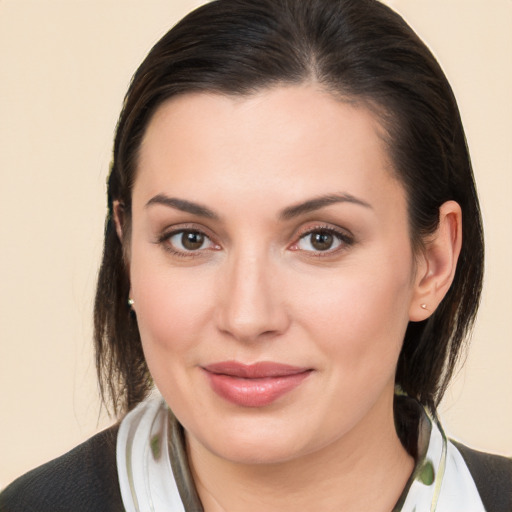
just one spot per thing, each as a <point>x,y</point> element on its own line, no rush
<point>299,136</point>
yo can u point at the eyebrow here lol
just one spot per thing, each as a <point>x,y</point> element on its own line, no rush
<point>183,205</point>
<point>320,202</point>
<point>287,214</point>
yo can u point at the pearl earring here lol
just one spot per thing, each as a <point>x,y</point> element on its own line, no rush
<point>423,306</point>
<point>131,302</point>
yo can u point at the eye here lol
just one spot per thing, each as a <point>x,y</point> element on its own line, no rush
<point>320,240</point>
<point>187,241</point>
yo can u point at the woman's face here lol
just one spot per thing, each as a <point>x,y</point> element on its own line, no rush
<point>271,270</point>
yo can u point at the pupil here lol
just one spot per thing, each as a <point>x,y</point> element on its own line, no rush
<point>192,240</point>
<point>322,241</point>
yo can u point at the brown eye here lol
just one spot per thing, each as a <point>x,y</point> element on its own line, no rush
<point>188,241</point>
<point>321,240</point>
<point>192,240</point>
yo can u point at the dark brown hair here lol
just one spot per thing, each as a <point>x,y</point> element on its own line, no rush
<point>357,49</point>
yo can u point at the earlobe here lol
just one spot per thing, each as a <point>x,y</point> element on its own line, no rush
<point>439,262</point>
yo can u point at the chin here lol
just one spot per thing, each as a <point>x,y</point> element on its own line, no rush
<point>252,441</point>
<point>257,453</point>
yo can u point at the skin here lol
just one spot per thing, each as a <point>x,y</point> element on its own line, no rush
<point>257,289</point>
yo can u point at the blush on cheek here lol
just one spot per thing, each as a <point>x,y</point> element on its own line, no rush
<point>163,332</point>
<point>358,317</point>
<point>170,311</point>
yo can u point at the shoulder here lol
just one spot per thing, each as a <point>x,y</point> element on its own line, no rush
<point>492,475</point>
<point>82,480</point>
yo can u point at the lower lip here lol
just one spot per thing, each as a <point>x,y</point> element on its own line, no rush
<point>254,392</point>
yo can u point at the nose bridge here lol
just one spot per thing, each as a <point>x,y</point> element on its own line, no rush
<point>250,305</point>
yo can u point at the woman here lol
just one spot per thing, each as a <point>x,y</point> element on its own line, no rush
<point>293,255</point>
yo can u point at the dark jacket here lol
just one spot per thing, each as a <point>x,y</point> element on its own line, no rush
<point>82,480</point>
<point>85,480</point>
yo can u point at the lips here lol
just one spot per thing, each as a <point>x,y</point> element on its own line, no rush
<point>255,385</point>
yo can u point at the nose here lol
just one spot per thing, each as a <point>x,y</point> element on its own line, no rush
<point>250,305</point>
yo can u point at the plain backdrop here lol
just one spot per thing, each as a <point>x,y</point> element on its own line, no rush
<point>64,68</point>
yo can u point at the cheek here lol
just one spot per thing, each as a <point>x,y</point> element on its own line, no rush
<point>171,306</point>
<point>360,314</point>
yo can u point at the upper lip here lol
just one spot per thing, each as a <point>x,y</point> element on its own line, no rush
<point>258,370</point>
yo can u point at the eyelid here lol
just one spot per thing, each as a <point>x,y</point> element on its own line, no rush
<point>169,232</point>
<point>345,236</point>
<point>342,234</point>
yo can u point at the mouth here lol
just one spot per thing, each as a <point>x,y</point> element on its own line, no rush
<point>254,385</point>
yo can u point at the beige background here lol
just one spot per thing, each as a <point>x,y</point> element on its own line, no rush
<point>64,68</point>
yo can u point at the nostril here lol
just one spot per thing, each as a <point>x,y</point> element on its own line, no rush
<point>249,303</point>
<point>253,325</point>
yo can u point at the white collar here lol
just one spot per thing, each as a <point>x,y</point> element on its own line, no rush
<point>441,481</point>
<point>151,480</point>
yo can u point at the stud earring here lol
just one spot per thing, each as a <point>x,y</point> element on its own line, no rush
<point>423,306</point>
<point>131,302</point>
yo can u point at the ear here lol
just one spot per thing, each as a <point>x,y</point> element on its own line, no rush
<point>118,215</point>
<point>437,263</point>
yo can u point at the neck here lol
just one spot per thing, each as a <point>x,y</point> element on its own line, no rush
<point>366,469</point>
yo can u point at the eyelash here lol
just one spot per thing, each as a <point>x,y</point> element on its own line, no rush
<point>345,240</point>
<point>164,241</point>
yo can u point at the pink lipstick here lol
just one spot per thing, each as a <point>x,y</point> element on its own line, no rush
<point>254,385</point>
